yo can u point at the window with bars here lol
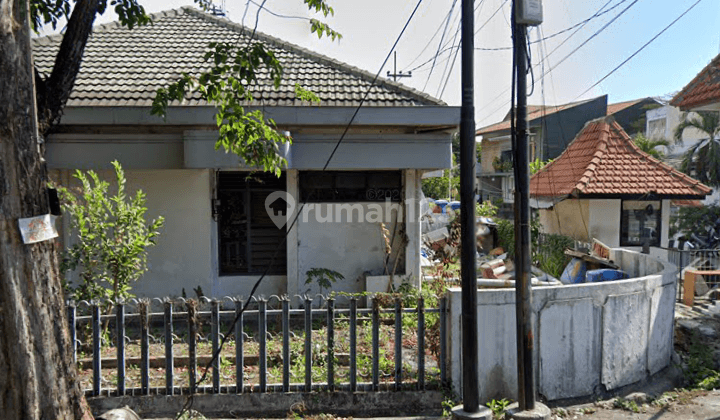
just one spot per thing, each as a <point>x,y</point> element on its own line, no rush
<point>247,237</point>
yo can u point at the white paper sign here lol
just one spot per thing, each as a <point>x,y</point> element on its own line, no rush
<point>38,228</point>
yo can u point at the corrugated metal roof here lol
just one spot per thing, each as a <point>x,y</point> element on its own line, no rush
<point>123,67</point>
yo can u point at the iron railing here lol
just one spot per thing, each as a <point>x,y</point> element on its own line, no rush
<point>156,347</point>
<point>702,259</point>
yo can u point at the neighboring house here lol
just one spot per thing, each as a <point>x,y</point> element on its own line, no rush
<point>550,130</point>
<point>219,230</point>
<point>702,94</point>
<point>661,123</point>
<point>604,187</point>
<point>703,91</point>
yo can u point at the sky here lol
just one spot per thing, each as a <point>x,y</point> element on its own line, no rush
<point>571,61</point>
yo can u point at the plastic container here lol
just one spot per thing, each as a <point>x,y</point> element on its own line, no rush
<point>574,272</point>
<point>604,274</point>
<point>441,204</point>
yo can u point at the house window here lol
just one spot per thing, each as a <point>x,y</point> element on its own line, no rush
<point>640,222</point>
<point>350,186</point>
<point>247,236</point>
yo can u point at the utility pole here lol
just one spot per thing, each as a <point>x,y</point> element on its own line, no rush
<point>524,12</point>
<point>395,73</point>
<point>471,408</point>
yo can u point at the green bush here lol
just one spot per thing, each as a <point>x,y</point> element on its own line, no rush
<point>113,236</point>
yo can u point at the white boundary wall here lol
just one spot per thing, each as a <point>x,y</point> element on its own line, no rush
<point>590,337</point>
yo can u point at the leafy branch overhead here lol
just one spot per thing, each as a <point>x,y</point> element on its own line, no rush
<point>229,83</point>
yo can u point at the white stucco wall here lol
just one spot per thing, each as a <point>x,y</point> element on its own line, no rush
<point>568,217</point>
<point>186,252</point>
<point>350,248</point>
<point>605,221</point>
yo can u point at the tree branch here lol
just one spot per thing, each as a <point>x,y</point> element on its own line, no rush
<point>55,91</point>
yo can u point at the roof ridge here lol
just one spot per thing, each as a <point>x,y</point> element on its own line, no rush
<point>600,151</point>
<point>356,71</point>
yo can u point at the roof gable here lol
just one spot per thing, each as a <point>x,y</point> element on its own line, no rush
<point>535,113</point>
<point>703,89</point>
<point>603,160</point>
<point>123,67</point>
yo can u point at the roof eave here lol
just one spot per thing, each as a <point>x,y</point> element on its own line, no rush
<point>421,116</point>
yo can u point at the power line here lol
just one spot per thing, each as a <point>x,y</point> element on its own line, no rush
<point>642,48</point>
<point>442,38</point>
<point>564,58</point>
<point>579,25</point>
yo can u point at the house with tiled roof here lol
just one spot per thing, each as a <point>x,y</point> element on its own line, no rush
<point>703,91</point>
<point>225,221</point>
<point>604,187</point>
<point>550,130</point>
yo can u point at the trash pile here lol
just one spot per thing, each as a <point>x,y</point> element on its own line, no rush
<point>441,243</point>
<point>591,266</point>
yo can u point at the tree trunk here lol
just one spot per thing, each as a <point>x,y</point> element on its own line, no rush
<point>37,374</point>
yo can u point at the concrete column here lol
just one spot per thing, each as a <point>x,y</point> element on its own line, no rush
<point>293,276</point>
<point>412,225</point>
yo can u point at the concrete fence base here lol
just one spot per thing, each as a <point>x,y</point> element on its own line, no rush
<point>278,405</point>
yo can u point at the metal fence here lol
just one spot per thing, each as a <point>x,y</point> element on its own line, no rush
<point>703,259</point>
<point>155,347</point>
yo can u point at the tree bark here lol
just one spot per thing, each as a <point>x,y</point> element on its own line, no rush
<point>54,92</point>
<point>37,373</point>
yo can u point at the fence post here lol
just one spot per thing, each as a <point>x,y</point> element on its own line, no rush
<point>120,330</point>
<point>72,313</point>
<point>144,348</point>
<point>262,332</point>
<point>239,353</point>
<point>192,343</point>
<point>308,344</point>
<point>97,356</point>
<point>169,363</point>
<point>398,344</point>
<point>215,327</point>
<point>286,343</point>
<point>421,343</point>
<point>331,344</point>
<point>443,340</point>
<point>375,343</point>
<point>353,344</point>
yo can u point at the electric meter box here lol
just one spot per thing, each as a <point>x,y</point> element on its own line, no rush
<point>528,12</point>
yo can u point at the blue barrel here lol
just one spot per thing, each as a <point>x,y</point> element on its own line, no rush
<point>574,272</point>
<point>441,204</point>
<point>605,274</point>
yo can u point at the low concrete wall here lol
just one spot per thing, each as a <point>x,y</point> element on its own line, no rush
<point>589,338</point>
<point>280,405</point>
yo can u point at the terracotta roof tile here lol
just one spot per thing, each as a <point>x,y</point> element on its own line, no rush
<point>126,67</point>
<point>603,160</point>
<point>703,89</point>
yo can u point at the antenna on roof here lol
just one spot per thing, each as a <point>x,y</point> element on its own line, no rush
<point>211,8</point>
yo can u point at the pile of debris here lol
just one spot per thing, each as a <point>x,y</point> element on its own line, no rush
<point>591,266</point>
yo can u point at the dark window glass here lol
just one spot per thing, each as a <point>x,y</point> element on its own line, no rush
<point>640,223</point>
<point>350,186</point>
<point>247,236</point>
